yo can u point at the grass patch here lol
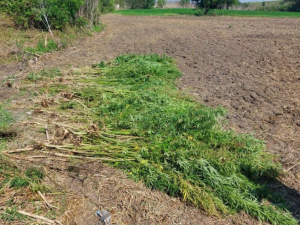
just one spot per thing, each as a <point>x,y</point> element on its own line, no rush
<point>243,13</point>
<point>248,13</point>
<point>11,214</point>
<point>18,182</point>
<point>155,12</point>
<point>41,48</point>
<point>45,73</point>
<point>160,136</point>
<point>35,174</point>
<point>6,120</point>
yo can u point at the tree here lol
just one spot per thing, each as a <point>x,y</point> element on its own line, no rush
<point>184,3</point>
<point>90,11</point>
<point>207,5</point>
<point>161,3</point>
<point>42,14</point>
<point>295,5</point>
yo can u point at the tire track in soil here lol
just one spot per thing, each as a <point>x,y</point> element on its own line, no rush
<point>251,66</point>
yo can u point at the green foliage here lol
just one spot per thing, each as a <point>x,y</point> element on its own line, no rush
<point>33,77</point>
<point>140,4</point>
<point>201,12</point>
<point>106,5</point>
<point>98,28</point>
<point>161,3</point>
<point>19,182</point>
<point>35,174</point>
<point>184,3</point>
<point>81,21</point>
<point>155,12</point>
<point>174,144</point>
<point>41,48</point>
<point>30,13</point>
<point>208,5</point>
<point>50,72</point>
<point>51,46</point>
<point>295,5</point>
<point>45,73</point>
<point>21,10</point>
<point>11,214</point>
<point>59,12</point>
<point>6,120</point>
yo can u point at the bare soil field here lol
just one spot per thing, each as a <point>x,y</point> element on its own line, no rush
<point>251,66</point>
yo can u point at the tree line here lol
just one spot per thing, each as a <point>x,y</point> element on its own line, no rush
<point>55,14</point>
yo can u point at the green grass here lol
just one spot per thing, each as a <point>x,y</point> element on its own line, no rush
<point>162,137</point>
<point>45,73</point>
<point>243,13</point>
<point>6,120</point>
<point>155,12</point>
<point>11,214</point>
<point>257,13</point>
<point>41,48</point>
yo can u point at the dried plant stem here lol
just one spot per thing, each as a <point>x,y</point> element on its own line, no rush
<point>37,217</point>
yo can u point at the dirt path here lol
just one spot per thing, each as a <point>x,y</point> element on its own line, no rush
<point>249,65</point>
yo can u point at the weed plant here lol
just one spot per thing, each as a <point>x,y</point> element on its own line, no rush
<point>174,144</point>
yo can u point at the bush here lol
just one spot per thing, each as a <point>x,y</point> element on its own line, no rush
<point>55,14</point>
<point>32,13</point>
<point>59,12</point>
<point>20,10</point>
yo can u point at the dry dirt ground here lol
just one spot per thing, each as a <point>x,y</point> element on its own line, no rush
<point>251,66</point>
